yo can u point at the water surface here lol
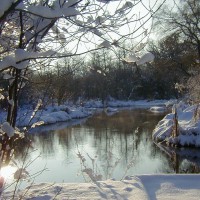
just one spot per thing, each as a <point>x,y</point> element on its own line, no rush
<point>105,146</point>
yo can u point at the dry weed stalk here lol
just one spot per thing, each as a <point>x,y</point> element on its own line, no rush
<point>175,128</point>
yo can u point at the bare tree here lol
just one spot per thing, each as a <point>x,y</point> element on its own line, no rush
<point>183,17</point>
<point>31,31</point>
<point>181,22</point>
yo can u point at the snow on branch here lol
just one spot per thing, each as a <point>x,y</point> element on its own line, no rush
<point>106,1</point>
<point>105,44</point>
<point>73,26</point>
<point>5,5</point>
<point>132,58</point>
<point>49,13</point>
<point>21,58</point>
<point>8,129</point>
<point>126,6</point>
<point>148,57</point>
<point>21,54</point>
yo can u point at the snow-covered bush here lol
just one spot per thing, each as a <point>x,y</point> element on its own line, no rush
<point>182,130</point>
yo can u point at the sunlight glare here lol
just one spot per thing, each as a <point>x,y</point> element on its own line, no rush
<point>7,172</point>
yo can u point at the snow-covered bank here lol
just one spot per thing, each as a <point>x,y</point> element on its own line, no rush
<point>171,187</point>
<point>53,114</point>
<point>49,115</point>
<point>69,112</point>
<point>144,187</point>
<point>117,103</point>
<point>188,126</point>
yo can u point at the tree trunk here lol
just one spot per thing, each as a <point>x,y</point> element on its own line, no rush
<point>13,95</point>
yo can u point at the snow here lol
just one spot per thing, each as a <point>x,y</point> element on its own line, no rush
<point>188,126</point>
<point>105,44</point>
<point>100,20</point>
<point>54,117</point>
<point>96,32</point>
<point>7,76</point>
<point>5,4</point>
<point>148,57</point>
<point>143,187</point>
<point>119,103</point>
<point>126,6</point>
<point>20,55</point>
<point>70,12</point>
<point>52,114</point>
<point>158,109</point>
<point>111,110</point>
<point>130,58</point>
<point>171,187</point>
<point>8,129</point>
<point>46,12</point>
<point>7,61</point>
<point>107,1</point>
<point>71,2</point>
<point>68,112</point>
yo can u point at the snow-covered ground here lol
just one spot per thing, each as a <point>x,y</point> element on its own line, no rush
<point>188,126</point>
<point>143,187</point>
<point>117,103</point>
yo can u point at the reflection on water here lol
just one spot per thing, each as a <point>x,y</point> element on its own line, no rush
<point>112,146</point>
<point>183,160</point>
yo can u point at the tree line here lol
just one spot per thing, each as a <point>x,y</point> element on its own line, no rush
<point>103,73</point>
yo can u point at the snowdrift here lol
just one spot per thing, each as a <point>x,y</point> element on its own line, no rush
<point>188,126</point>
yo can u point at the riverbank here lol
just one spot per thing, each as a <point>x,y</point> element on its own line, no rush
<point>143,187</point>
<point>181,127</point>
<point>51,114</point>
<point>151,187</point>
